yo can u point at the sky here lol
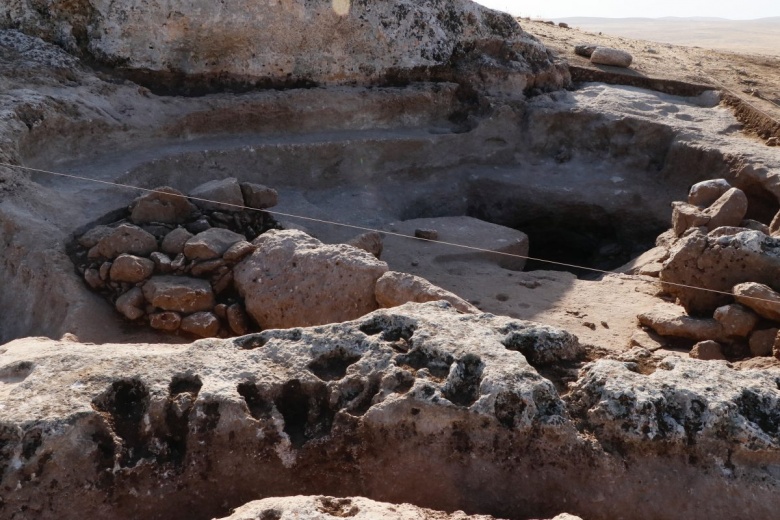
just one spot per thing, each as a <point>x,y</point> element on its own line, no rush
<point>551,9</point>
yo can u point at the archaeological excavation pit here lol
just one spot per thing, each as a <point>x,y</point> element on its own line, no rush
<point>516,396</point>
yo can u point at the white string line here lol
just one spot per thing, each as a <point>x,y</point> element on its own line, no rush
<point>391,233</point>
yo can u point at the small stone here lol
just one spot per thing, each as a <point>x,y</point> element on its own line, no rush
<point>105,271</point>
<point>211,244</point>
<point>125,239</point>
<point>759,297</point>
<point>238,251</point>
<point>168,321</point>
<point>92,277</point>
<point>762,342</point>
<point>222,282</point>
<point>703,194</point>
<point>131,269</point>
<point>179,263</point>
<point>395,288</point>
<point>584,50</point>
<point>204,268</point>
<point>90,239</point>
<point>202,324</point>
<point>427,234</point>
<point>237,319</point>
<point>162,263</point>
<point>165,205</point>
<point>686,216</point>
<point>199,226</point>
<point>755,225</point>
<point>773,141</point>
<point>130,304</point>
<point>222,195</point>
<point>612,57</point>
<point>728,210</point>
<point>707,351</point>
<point>258,196</point>
<point>173,243</point>
<point>647,340</point>
<point>221,311</point>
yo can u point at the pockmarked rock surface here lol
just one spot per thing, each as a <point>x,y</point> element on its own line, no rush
<point>298,43</point>
<point>294,280</point>
<point>337,408</point>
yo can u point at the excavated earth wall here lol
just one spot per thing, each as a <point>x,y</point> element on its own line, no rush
<point>415,404</point>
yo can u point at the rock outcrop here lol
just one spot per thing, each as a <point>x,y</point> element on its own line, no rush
<point>320,42</point>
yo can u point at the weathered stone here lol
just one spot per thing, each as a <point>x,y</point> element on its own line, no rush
<point>759,297</point>
<point>90,239</point>
<point>206,267</point>
<point>646,262</point>
<point>238,251</point>
<point>222,282</point>
<point>168,321</point>
<point>295,280</point>
<point>165,205</point>
<point>649,341</point>
<point>703,194</point>
<point>371,242</point>
<point>173,243</point>
<point>686,216</point>
<point>224,194</point>
<point>719,263</point>
<point>756,226</point>
<point>584,50</point>
<point>258,196</point>
<point>774,226</point>
<point>105,271</point>
<point>394,289</point>
<point>728,210</point>
<point>92,277</point>
<point>667,321</point>
<point>737,321</point>
<point>162,262</point>
<point>237,319</point>
<point>124,239</point>
<point>613,57</point>
<point>763,341</point>
<point>199,226</point>
<point>543,345</point>
<point>131,269</point>
<point>707,351</point>
<point>220,310</point>
<point>211,244</point>
<point>179,263</point>
<point>179,293</point>
<point>131,303</point>
<point>201,324</point>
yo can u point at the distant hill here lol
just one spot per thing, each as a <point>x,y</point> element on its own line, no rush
<point>758,36</point>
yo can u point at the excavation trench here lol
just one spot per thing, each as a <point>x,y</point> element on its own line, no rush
<point>593,202</point>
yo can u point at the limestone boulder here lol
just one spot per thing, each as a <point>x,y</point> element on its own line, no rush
<point>201,324</point>
<point>371,242</point>
<point>131,304</point>
<point>164,205</point>
<point>258,196</point>
<point>131,269</point>
<point>703,194</point>
<point>728,210</point>
<point>609,56</point>
<point>224,194</point>
<point>719,263</point>
<point>179,294</point>
<point>759,297</point>
<point>303,42</point>
<point>707,351</point>
<point>668,320</point>
<point>294,280</point>
<point>686,216</point>
<point>211,244</point>
<point>124,239</point>
<point>737,321</point>
<point>394,289</point>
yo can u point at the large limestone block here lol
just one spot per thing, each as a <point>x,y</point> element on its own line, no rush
<point>294,280</point>
<point>124,239</point>
<point>297,42</point>
<point>728,210</point>
<point>165,205</point>
<point>179,293</point>
<point>394,288</point>
<point>719,263</point>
